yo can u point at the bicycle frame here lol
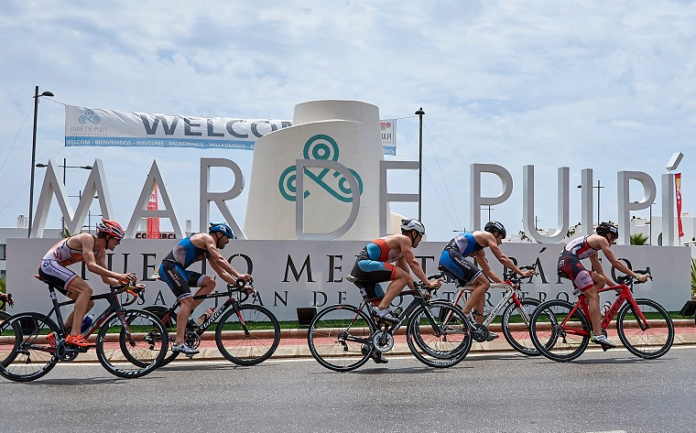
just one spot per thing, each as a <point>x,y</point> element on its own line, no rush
<point>418,300</point>
<point>624,296</point>
<point>231,301</point>
<point>114,307</point>
<point>510,294</point>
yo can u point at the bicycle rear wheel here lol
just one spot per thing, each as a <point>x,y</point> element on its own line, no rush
<point>26,351</point>
<point>556,334</point>
<point>340,337</point>
<point>439,336</point>
<point>170,325</point>
<point>247,336</point>
<point>132,348</point>
<point>4,315</point>
<point>515,324</point>
<point>648,342</point>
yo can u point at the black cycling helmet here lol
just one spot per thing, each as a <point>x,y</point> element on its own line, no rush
<point>496,226</point>
<point>606,228</point>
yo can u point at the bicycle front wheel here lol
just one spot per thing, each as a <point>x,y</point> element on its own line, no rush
<point>556,333</point>
<point>27,346</point>
<point>646,340</point>
<point>132,344</point>
<point>438,335</point>
<point>340,337</point>
<point>247,336</point>
<point>515,324</point>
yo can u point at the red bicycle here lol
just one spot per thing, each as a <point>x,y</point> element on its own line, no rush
<point>561,330</point>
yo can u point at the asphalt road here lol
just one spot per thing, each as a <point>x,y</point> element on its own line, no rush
<point>611,391</point>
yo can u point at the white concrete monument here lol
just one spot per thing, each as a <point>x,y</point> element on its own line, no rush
<point>337,144</point>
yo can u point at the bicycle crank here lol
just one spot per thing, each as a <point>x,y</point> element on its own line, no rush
<point>383,341</point>
<point>480,333</point>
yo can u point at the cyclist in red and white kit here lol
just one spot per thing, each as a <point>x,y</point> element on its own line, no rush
<point>90,249</point>
<point>588,282</point>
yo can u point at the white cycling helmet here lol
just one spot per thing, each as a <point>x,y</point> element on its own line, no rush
<point>408,225</point>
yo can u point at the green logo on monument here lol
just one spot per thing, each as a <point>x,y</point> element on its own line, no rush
<point>322,147</point>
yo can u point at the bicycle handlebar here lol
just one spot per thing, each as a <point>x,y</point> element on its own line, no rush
<point>628,280</point>
<point>245,289</point>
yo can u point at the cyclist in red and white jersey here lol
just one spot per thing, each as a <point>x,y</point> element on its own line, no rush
<point>83,247</point>
<point>588,282</point>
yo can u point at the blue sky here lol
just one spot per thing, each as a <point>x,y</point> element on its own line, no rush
<point>585,84</point>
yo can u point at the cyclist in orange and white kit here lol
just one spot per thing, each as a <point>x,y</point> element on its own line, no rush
<point>90,249</point>
<point>588,282</point>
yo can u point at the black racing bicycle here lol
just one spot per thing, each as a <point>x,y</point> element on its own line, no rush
<point>344,337</point>
<point>245,334</point>
<point>130,343</point>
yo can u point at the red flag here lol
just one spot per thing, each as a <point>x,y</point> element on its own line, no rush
<point>153,228</point>
<point>677,183</point>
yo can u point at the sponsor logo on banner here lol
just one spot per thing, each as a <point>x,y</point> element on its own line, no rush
<point>388,128</point>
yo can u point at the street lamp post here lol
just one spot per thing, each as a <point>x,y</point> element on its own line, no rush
<point>65,167</point>
<point>598,187</point>
<point>420,114</point>
<point>33,155</point>
<point>489,210</point>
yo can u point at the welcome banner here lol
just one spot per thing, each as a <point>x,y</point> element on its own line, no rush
<point>99,127</point>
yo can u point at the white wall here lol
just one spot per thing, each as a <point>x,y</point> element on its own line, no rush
<point>329,263</point>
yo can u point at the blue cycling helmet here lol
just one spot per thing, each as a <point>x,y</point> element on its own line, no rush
<point>222,228</point>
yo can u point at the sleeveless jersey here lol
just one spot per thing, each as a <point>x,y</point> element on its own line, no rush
<point>466,244</point>
<point>185,253</point>
<point>378,251</point>
<point>579,247</point>
<point>64,254</point>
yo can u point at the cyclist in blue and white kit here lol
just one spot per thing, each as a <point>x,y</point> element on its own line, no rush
<point>472,244</point>
<point>173,271</point>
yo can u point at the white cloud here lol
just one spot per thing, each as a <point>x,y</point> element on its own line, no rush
<point>588,84</point>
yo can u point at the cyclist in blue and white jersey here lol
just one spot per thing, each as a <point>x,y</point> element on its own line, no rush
<point>192,249</point>
<point>472,244</point>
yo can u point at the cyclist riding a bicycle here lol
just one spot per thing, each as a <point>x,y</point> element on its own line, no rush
<point>375,265</point>
<point>91,250</point>
<point>192,249</point>
<point>472,244</point>
<point>588,282</point>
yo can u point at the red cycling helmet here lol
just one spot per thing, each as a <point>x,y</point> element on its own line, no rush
<point>110,228</point>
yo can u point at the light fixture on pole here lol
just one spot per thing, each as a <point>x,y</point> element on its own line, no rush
<point>598,187</point>
<point>33,155</point>
<point>420,113</point>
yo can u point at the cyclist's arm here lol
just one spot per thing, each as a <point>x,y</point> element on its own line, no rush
<point>486,268</point>
<point>413,263</point>
<point>98,265</point>
<point>221,266</point>
<point>618,264</point>
<point>505,260</point>
<point>598,268</point>
<point>403,265</point>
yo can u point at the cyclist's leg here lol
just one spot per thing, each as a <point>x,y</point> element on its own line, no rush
<point>71,285</point>
<point>400,279</point>
<point>476,300</point>
<point>452,260</point>
<point>80,292</point>
<point>176,278</point>
<point>205,286</point>
<point>592,298</point>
